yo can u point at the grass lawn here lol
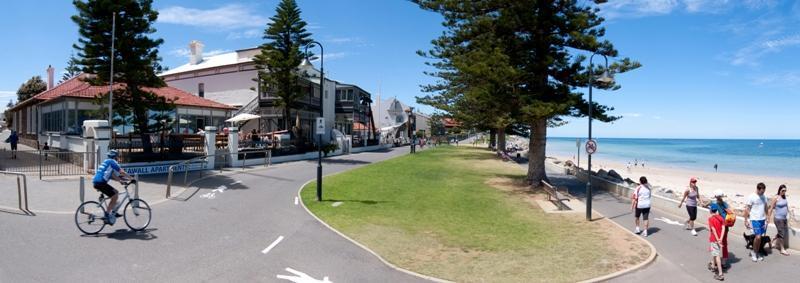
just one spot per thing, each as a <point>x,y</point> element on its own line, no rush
<point>460,214</point>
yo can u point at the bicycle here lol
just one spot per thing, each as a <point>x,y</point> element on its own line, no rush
<point>90,216</point>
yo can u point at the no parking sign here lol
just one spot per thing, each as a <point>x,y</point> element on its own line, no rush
<point>591,146</point>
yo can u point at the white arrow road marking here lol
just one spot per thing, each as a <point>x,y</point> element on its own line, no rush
<point>275,243</point>
<point>296,201</point>
<point>234,183</point>
<point>669,221</point>
<point>208,195</point>
<point>300,277</point>
<point>338,203</point>
<point>220,189</point>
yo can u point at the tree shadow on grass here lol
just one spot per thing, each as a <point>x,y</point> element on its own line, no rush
<point>367,202</point>
<point>344,161</point>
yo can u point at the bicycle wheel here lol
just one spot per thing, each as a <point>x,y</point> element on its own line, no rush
<point>90,217</point>
<point>137,214</point>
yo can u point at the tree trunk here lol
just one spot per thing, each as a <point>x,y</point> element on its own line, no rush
<point>492,138</point>
<point>536,153</point>
<point>501,139</point>
<point>141,123</point>
<point>285,118</point>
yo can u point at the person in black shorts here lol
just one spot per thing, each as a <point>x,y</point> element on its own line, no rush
<point>641,205</point>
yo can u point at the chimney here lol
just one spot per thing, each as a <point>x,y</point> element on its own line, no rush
<point>196,50</point>
<point>50,72</point>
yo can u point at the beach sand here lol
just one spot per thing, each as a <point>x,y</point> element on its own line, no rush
<point>735,186</point>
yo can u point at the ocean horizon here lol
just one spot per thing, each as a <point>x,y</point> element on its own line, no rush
<point>770,157</point>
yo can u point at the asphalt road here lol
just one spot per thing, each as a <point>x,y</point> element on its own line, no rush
<point>222,233</point>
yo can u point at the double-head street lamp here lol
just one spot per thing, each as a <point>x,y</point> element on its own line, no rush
<point>321,108</point>
<point>605,78</point>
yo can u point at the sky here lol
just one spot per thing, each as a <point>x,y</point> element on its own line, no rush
<point>711,68</point>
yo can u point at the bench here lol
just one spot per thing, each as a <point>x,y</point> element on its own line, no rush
<point>554,196</point>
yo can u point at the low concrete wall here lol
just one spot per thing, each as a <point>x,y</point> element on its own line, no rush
<point>671,206</point>
<point>369,148</point>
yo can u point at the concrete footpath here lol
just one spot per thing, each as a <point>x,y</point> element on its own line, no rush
<point>681,256</point>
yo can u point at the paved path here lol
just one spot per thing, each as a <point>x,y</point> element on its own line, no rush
<point>681,256</point>
<point>218,236</point>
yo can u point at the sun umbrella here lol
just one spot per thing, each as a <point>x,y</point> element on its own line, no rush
<point>242,117</point>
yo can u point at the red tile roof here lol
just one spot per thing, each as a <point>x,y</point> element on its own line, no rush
<point>76,87</point>
<point>450,123</point>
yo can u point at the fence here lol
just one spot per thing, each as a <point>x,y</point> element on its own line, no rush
<point>265,155</point>
<point>45,163</point>
<point>22,190</point>
<point>165,147</point>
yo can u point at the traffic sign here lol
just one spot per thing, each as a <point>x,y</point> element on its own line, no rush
<point>320,125</point>
<point>591,146</point>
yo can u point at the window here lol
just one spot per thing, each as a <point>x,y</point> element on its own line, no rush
<point>350,95</point>
<point>338,95</point>
<point>201,89</point>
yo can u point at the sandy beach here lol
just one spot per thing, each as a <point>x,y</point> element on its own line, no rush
<point>736,186</point>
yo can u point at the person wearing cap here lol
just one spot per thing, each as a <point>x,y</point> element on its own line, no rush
<point>692,197</point>
<point>721,206</point>
<point>106,171</point>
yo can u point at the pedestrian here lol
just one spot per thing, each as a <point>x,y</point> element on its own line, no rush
<point>716,227</point>
<point>692,198</point>
<point>779,208</point>
<point>45,148</point>
<point>723,209</point>
<point>641,205</point>
<point>13,139</point>
<point>715,167</point>
<point>755,217</point>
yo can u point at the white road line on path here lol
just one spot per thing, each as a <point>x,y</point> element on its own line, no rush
<point>234,183</point>
<point>275,243</point>
<point>669,221</point>
<point>300,277</point>
<point>220,189</point>
<point>208,196</point>
<point>296,201</point>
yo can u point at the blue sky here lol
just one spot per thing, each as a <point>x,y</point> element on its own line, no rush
<point>711,68</point>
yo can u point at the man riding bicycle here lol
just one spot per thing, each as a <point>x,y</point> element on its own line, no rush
<point>107,170</point>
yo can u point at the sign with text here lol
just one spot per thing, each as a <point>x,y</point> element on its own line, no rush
<point>161,168</point>
<point>320,126</point>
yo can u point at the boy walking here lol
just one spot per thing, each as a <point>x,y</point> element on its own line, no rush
<point>715,224</point>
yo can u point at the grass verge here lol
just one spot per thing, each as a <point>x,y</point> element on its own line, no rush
<point>459,214</point>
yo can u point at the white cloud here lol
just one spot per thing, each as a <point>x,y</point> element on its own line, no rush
<point>643,8</point>
<point>250,33</point>
<point>751,54</point>
<point>657,117</point>
<point>783,79</point>
<point>232,16</point>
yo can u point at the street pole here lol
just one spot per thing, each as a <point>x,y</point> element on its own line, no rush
<point>111,80</point>
<point>589,166</point>
<point>578,143</point>
<point>321,108</point>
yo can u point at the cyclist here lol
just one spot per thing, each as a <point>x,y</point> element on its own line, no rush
<point>107,170</point>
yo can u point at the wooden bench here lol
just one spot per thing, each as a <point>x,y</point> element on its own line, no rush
<point>554,196</point>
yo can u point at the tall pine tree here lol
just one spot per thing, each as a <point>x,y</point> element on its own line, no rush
<point>136,60</point>
<point>72,70</point>
<point>281,55</point>
<point>30,88</point>
<point>544,42</point>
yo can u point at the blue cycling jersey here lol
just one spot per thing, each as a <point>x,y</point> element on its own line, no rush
<point>105,171</point>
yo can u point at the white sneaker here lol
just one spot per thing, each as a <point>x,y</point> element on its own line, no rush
<point>644,233</point>
<point>637,231</point>
<point>753,256</point>
<point>694,232</point>
<point>761,258</point>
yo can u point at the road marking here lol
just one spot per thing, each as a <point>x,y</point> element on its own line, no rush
<point>208,196</point>
<point>669,221</point>
<point>300,277</point>
<point>234,183</point>
<point>296,201</point>
<point>275,243</point>
<point>220,189</point>
<point>338,203</point>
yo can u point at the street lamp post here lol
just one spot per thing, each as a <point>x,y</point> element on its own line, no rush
<point>321,108</point>
<point>604,78</point>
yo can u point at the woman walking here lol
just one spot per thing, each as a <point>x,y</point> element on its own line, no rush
<point>722,207</point>
<point>641,205</point>
<point>779,208</point>
<point>692,197</point>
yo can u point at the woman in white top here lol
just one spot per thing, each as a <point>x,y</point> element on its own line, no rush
<point>641,204</point>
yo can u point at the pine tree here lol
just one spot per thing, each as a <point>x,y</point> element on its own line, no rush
<point>281,55</point>
<point>8,114</point>
<point>542,42</point>
<point>72,70</point>
<point>136,60</point>
<point>30,88</point>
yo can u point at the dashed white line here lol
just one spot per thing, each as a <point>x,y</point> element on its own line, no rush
<point>234,183</point>
<point>296,201</point>
<point>275,243</point>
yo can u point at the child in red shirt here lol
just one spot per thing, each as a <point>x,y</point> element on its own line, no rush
<point>717,227</point>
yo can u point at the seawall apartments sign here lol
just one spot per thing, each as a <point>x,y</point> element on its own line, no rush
<point>160,168</point>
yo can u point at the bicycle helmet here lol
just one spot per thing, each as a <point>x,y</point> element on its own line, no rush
<point>113,154</point>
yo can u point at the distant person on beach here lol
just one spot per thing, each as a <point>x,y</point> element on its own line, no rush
<point>755,217</point>
<point>692,198</point>
<point>641,205</point>
<point>779,208</point>
<point>715,167</point>
<point>723,208</point>
<point>635,162</point>
<point>717,230</point>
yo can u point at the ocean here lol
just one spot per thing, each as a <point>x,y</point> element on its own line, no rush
<point>780,158</point>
